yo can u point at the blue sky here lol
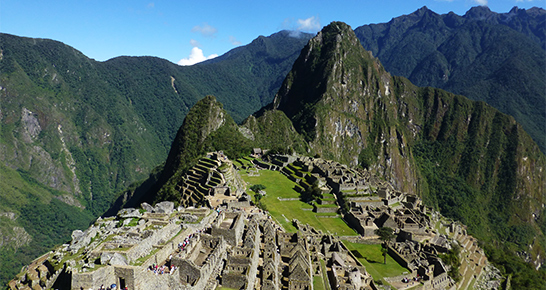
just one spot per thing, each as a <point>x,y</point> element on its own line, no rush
<point>187,31</point>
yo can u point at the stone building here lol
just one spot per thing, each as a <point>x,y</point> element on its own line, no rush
<point>229,225</point>
<point>242,263</point>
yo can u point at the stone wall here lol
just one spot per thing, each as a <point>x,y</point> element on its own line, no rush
<point>354,222</point>
<point>197,276</point>
<point>398,258</point>
<point>101,276</point>
<point>148,280</point>
<point>233,234</point>
<point>325,209</point>
<point>144,247</point>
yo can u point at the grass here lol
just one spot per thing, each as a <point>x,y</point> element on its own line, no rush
<point>141,260</point>
<point>244,162</point>
<point>370,256</point>
<point>324,275</point>
<point>318,283</point>
<point>279,185</point>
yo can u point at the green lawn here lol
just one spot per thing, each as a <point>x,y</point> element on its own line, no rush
<point>278,185</point>
<point>318,283</point>
<point>370,256</point>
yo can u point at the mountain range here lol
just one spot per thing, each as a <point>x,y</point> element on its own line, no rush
<point>76,132</point>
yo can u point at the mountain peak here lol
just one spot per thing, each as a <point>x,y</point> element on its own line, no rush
<point>331,88</point>
<point>327,60</point>
<point>205,117</point>
<point>479,13</point>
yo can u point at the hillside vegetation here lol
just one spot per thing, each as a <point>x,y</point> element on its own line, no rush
<point>87,130</point>
<point>75,133</point>
<point>498,58</point>
<point>465,158</point>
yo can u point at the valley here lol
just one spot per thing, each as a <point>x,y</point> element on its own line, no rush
<point>82,139</point>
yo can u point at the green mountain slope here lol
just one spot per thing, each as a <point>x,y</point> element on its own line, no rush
<point>87,130</point>
<point>467,159</point>
<point>491,57</point>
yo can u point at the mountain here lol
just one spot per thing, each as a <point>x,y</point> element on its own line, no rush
<point>498,58</point>
<point>465,158</point>
<point>76,132</point>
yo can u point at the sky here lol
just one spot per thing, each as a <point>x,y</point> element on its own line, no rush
<point>187,32</point>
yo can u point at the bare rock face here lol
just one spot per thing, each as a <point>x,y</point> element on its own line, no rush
<point>147,207</point>
<point>164,207</point>
<point>14,238</point>
<point>31,126</point>
<point>127,213</point>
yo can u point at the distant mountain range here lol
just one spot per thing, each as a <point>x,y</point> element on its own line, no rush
<point>76,132</point>
<point>498,58</point>
<point>465,158</point>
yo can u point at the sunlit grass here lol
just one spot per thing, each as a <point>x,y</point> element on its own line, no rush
<point>370,256</point>
<point>279,186</point>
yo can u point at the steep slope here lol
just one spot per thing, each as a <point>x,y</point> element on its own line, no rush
<point>209,128</point>
<point>498,58</point>
<point>340,98</point>
<point>82,131</point>
<point>472,162</point>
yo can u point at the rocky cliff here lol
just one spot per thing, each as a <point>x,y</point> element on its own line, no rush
<point>468,159</point>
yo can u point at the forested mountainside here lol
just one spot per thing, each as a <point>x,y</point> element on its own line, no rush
<point>75,132</point>
<point>498,58</point>
<point>465,158</point>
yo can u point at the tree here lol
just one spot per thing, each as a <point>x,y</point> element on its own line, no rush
<point>257,187</point>
<point>385,234</point>
<point>312,192</point>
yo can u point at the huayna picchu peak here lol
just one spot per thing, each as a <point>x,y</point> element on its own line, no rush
<point>350,179</point>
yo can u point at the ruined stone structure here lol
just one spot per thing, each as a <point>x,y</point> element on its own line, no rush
<point>230,225</point>
<point>197,266</point>
<point>237,246</point>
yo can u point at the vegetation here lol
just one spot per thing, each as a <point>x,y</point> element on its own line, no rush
<point>312,193</point>
<point>453,261</point>
<point>447,51</point>
<point>370,256</point>
<point>385,234</point>
<point>284,211</point>
<point>106,125</point>
<point>257,187</point>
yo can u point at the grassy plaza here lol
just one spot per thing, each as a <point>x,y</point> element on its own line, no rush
<point>279,186</point>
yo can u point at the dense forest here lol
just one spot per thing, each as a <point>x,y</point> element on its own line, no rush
<point>75,133</point>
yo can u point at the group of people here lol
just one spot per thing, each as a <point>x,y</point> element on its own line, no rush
<point>111,287</point>
<point>414,279</point>
<point>187,240</point>
<point>160,270</point>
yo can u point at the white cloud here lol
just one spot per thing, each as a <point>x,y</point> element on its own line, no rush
<point>311,24</point>
<point>196,56</point>
<point>234,40</point>
<point>205,30</point>
<point>194,43</point>
<point>481,2</point>
<point>151,5</point>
